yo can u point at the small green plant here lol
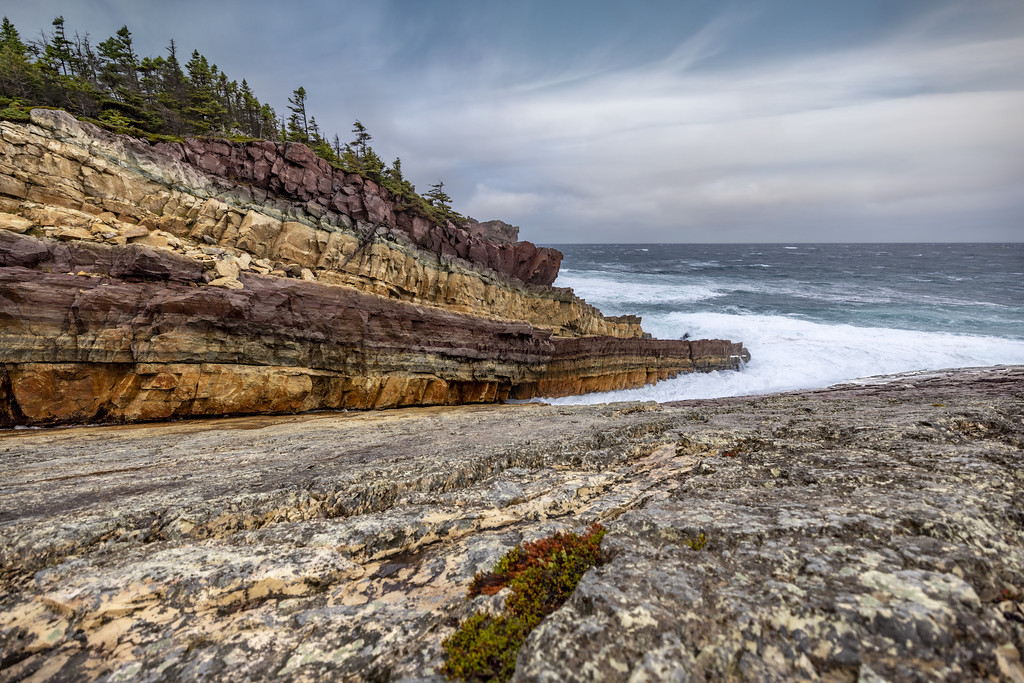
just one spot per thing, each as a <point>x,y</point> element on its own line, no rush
<point>697,543</point>
<point>541,575</point>
<point>484,648</point>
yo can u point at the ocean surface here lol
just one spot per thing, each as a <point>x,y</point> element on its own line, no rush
<point>811,315</point>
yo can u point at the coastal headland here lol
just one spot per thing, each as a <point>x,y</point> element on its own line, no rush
<point>145,281</point>
<point>866,532</point>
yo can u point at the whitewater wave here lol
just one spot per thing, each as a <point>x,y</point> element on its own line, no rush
<point>789,354</point>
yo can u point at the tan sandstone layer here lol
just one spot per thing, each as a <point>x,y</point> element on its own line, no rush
<point>272,208</point>
<point>142,341</point>
<point>870,532</point>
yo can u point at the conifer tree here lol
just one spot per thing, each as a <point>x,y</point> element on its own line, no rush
<point>298,126</point>
<point>438,197</point>
<point>267,126</point>
<point>362,138</point>
<point>204,112</point>
<point>372,165</point>
<point>18,75</point>
<point>172,97</point>
<point>57,53</point>
<point>120,70</point>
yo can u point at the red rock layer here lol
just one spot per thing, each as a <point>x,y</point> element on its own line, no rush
<point>80,348</point>
<point>292,171</point>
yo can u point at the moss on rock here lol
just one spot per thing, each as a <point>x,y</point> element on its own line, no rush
<point>541,575</point>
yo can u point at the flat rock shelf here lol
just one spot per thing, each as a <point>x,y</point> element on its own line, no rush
<point>867,532</point>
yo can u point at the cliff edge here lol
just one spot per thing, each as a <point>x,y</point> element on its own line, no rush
<point>142,281</point>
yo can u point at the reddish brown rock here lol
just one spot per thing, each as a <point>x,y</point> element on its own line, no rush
<point>134,261</point>
<point>100,349</point>
<point>495,231</point>
<point>294,172</point>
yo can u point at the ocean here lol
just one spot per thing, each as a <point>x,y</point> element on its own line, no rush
<point>811,315</point>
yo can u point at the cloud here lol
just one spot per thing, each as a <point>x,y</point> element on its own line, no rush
<point>488,202</point>
<point>575,120</point>
<point>907,128</point>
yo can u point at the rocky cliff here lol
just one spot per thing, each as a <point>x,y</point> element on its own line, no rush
<point>142,281</point>
<point>863,533</point>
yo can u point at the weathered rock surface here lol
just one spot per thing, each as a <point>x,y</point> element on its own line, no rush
<point>863,533</point>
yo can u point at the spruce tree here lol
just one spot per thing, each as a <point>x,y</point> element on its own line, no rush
<point>362,139</point>
<point>298,126</point>
<point>204,113</point>
<point>57,54</point>
<point>19,77</point>
<point>438,197</point>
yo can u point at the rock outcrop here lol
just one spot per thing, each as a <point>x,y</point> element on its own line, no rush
<point>212,201</point>
<point>142,282</point>
<point>137,339</point>
<point>293,171</point>
<point>868,532</point>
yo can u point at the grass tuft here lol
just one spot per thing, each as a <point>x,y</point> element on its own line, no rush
<point>697,543</point>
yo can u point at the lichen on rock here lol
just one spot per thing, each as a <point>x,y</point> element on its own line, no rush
<point>869,532</point>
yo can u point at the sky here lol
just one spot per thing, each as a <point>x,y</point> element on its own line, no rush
<point>647,120</point>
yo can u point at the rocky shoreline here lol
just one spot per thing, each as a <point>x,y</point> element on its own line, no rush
<point>866,532</point>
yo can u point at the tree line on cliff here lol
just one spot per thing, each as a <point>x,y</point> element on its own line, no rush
<point>158,98</point>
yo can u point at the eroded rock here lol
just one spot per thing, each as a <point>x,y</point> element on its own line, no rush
<point>78,348</point>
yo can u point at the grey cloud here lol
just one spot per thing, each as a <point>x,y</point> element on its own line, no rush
<point>906,132</point>
<point>902,134</point>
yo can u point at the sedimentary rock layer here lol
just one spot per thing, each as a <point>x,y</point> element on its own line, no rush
<point>293,171</point>
<point>80,348</point>
<point>868,532</point>
<point>271,208</point>
<point>143,282</point>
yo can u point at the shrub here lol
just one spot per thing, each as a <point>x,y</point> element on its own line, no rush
<point>15,113</point>
<point>542,575</point>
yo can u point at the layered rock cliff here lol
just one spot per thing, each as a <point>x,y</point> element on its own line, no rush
<point>283,213</point>
<point>143,281</point>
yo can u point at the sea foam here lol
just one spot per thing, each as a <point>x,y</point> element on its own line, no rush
<point>789,354</point>
<point>810,315</point>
